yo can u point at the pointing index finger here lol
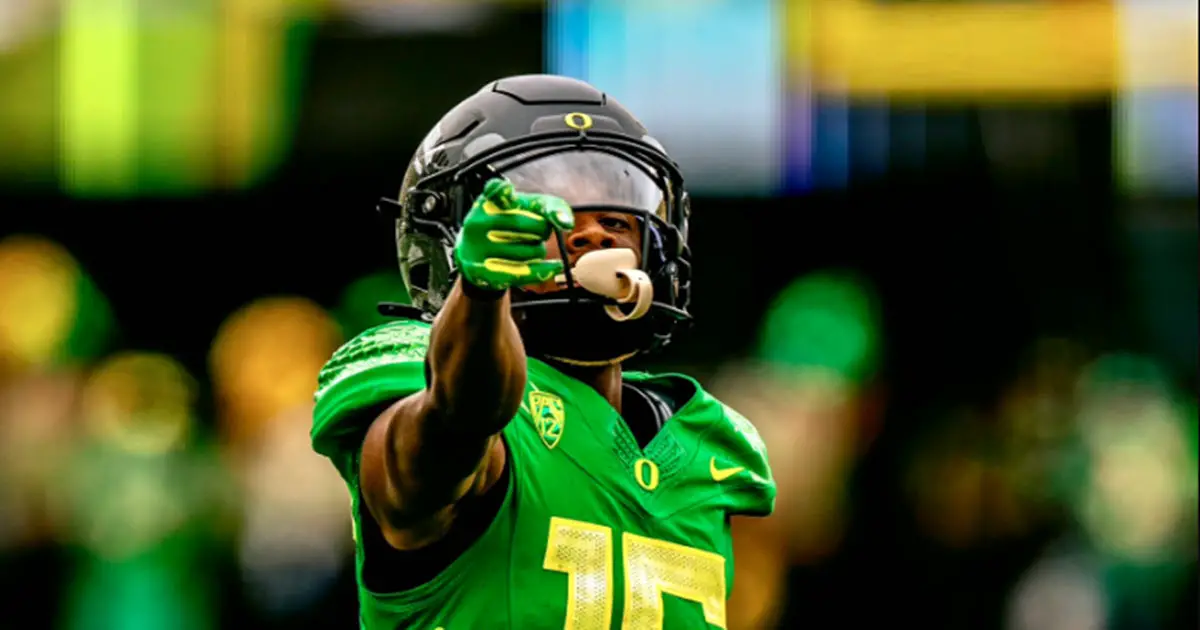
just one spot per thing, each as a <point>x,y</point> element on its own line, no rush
<point>500,192</point>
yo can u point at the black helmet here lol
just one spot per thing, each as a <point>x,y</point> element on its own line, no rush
<point>537,130</point>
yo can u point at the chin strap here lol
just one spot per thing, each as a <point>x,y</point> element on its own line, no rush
<point>599,363</point>
<point>614,273</point>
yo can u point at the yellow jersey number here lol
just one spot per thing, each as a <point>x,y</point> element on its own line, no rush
<point>584,551</point>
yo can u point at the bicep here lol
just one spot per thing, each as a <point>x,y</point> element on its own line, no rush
<point>413,472</point>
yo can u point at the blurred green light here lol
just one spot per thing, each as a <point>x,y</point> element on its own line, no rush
<point>825,320</point>
<point>98,97</point>
<point>95,326</point>
<point>174,102</point>
<point>358,309</point>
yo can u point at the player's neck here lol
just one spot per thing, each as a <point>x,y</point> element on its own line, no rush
<point>605,379</point>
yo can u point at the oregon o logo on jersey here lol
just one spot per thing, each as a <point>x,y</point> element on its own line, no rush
<point>549,417</point>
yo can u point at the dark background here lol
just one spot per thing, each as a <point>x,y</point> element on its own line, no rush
<point>974,258</point>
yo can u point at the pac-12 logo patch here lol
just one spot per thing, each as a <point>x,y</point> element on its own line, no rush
<point>549,417</point>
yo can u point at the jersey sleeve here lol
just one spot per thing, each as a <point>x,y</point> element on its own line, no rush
<point>753,493</point>
<point>382,364</point>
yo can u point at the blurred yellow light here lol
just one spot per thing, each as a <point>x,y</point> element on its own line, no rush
<point>971,49</point>
<point>266,357</point>
<point>258,41</point>
<point>140,402</point>
<point>1142,480</point>
<point>98,96</point>
<point>38,300</point>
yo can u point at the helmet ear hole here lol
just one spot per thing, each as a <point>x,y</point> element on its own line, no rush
<point>418,275</point>
<point>415,267</point>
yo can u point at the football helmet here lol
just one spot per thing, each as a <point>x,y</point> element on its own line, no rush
<point>559,136</point>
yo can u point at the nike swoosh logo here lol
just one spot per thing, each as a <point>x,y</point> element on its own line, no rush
<point>721,474</point>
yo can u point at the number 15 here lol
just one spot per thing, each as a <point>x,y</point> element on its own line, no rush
<point>584,551</point>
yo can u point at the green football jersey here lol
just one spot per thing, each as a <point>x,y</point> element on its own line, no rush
<point>594,531</point>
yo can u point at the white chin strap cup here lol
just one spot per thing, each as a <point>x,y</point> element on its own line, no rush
<point>613,273</point>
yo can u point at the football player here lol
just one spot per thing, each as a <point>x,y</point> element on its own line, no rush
<point>504,471</point>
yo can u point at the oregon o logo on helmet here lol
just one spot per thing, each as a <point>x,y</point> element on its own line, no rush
<point>578,121</point>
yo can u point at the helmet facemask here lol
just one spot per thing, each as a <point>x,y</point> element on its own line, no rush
<point>571,325</point>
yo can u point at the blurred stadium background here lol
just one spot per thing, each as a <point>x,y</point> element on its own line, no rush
<point>946,261</point>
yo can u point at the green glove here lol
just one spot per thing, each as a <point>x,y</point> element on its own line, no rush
<point>502,243</point>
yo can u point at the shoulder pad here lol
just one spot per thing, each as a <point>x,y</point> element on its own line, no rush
<point>745,447</point>
<point>384,363</point>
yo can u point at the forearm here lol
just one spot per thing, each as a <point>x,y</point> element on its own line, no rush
<point>426,451</point>
<point>477,363</point>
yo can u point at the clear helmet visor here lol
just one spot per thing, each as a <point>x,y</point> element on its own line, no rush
<point>590,178</point>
